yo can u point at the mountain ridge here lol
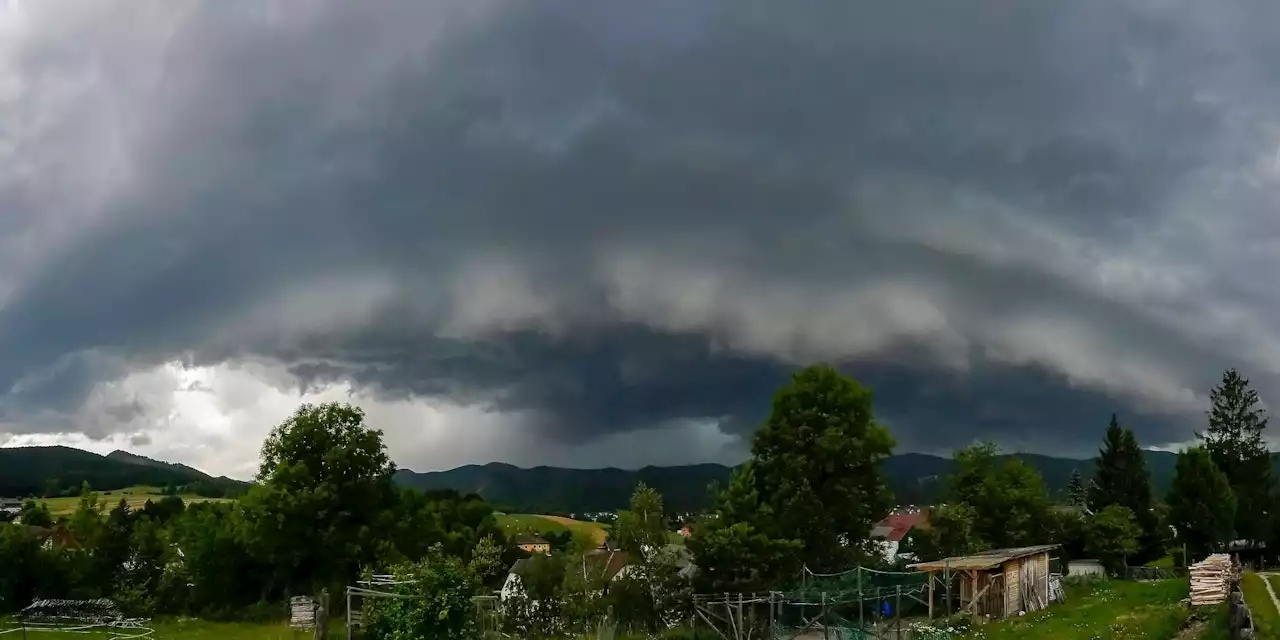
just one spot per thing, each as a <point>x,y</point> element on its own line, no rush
<point>915,478</point>
<point>60,470</point>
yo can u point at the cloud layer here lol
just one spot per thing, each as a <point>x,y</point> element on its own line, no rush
<point>564,223</point>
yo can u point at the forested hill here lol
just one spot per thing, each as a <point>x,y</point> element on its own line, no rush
<point>46,471</point>
<point>915,479</point>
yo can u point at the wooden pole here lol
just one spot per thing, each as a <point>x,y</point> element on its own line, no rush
<point>946,572</point>
<point>862,605</point>
<point>931,595</point>
<point>826,628</point>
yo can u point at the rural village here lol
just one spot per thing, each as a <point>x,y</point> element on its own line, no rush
<point>997,557</point>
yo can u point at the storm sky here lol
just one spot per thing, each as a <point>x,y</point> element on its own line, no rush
<point>603,233</point>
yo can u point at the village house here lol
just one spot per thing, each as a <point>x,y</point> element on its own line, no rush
<point>532,544</point>
<point>998,583</point>
<point>890,531</point>
<point>10,506</point>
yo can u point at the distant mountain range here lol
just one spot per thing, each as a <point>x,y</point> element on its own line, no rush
<point>915,479</point>
<point>50,471</point>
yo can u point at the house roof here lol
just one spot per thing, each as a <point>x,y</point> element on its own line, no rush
<point>982,561</point>
<point>896,526</point>
<point>530,540</point>
<point>605,564</point>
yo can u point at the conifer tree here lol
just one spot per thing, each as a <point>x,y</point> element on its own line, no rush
<point>1076,495</point>
<point>1234,440</point>
<point>1122,479</point>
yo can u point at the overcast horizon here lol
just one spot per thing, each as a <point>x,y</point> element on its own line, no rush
<point>605,233</point>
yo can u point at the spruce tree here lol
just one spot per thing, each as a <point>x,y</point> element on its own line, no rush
<point>1122,479</point>
<point>1076,496</point>
<point>1234,441</point>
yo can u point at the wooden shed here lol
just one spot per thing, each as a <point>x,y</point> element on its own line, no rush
<point>998,583</point>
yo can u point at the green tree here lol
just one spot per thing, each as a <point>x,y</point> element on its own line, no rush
<point>20,556</point>
<point>1234,439</point>
<point>642,527</point>
<point>440,589</point>
<point>1076,495</point>
<point>734,548</point>
<point>1008,498</point>
<point>815,474</point>
<point>1111,536</point>
<point>324,486</point>
<point>35,514</point>
<point>1202,507</point>
<point>487,564</point>
<point>1121,478</point>
<point>952,532</point>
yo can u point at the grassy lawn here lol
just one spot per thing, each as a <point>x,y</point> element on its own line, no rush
<point>189,629</point>
<point>1117,609</point>
<point>514,523</point>
<point>1265,617</point>
<point>135,496</point>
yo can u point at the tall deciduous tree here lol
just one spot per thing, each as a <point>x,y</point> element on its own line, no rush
<point>1122,479</point>
<point>642,527</point>
<point>1202,507</point>
<point>1234,440</point>
<point>1112,535</point>
<point>813,483</point>
<point>324,485</point>
<point>1008,500</point>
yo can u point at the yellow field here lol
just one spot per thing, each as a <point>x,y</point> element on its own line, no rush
<point>136,497</point>
<point>516,523</point>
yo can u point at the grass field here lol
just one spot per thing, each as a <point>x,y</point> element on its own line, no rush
<point>135,496</point>
<point>188,629</point>
<point>514,523</point>
<point>1265,617</point>
<point>1116,609</point>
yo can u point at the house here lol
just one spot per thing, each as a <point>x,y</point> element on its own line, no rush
<point>685,532</point>
<point>533,544</point>
<point>998,583</point>
<point>1085,567</point>
<point>10,505</point>
<point>50,537</point>
<point>890,531</point>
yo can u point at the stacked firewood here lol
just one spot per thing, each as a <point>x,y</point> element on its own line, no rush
<point>1211,580</point>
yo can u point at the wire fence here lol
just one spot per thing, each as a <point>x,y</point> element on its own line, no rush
<point>860,603</point>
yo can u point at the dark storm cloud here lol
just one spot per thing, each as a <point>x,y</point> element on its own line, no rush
<point>609,216</point>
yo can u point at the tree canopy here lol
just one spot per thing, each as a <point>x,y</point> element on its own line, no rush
<point>1234,439</point>
<point>1121,479</point>
<point>1202,507</point>
<point>811,491</point>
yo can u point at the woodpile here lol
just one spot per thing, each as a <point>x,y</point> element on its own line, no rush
<point>1211,580</point>
<point>302,612</point>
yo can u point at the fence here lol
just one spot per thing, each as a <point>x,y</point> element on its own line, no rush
<point>1154,573</point>
<point>857,604</point>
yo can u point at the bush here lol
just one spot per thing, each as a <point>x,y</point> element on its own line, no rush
<point>442,586</point>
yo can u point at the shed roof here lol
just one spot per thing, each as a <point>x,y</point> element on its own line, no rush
<point>982,561</point>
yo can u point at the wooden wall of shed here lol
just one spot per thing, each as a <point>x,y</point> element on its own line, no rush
<point>1013,587</point>
<point>1026,578</point>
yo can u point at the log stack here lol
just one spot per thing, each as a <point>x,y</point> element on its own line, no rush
<point>1211,580</point>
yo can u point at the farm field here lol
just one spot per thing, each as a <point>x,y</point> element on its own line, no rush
<point>515,523</point>
<point>1116,609</point>
<point>135,496</point>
